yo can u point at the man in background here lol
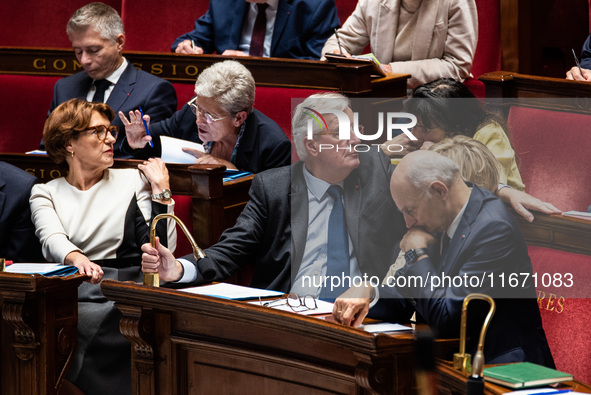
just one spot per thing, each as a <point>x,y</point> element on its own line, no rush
<point>98,37</point>
<point>269,28</point>
<point>17,233</point>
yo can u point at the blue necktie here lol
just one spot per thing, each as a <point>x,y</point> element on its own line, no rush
<point>337,247</point>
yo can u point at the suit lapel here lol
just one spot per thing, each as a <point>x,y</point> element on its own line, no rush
<point>2,196</point>
<point>386,25</point>
<point>283,14</point>
<point>299,216</point>
<point>424,29</point>
<point>464,228</point>
<point>123,88</point>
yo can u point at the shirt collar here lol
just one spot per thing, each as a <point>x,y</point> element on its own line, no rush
<point>316,186</point>
<point>115,75</point>
<point>456,222</point>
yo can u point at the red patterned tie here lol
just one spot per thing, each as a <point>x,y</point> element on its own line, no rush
<point>257,42</point>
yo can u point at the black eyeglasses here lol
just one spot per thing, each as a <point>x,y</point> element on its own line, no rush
<point>101,131</point>
<point>295,302</point>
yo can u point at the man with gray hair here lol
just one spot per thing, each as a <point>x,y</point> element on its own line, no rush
<point>98,37</point>
<point>285,229</point>
<point>461,240</point>
<point>221,117</point>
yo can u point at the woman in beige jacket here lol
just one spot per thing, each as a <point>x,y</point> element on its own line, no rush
<point>428,39</point>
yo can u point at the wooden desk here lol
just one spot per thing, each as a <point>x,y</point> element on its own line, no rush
<point>215,205</point>
<point>548,93</point>
<point>452,382</point>
<point>350,79</point>
<point>185,343</point>
<point>37,331</point>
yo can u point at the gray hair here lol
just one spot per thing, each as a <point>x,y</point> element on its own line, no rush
<point>101,17</point>
<point>299,121</point>
<point>436,168</point>
<point>230,84</point>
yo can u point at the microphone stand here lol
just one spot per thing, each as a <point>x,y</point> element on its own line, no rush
<point>153,279</point>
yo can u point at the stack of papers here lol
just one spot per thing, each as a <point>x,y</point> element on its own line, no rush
<point>231,291</point>
<point>46,269</point>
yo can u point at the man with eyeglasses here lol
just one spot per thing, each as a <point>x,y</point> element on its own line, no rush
<point>222,118</point>
<point>98,37</point>
<point>328,217</point>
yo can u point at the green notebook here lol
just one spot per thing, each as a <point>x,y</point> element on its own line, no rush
<point>524,375</point>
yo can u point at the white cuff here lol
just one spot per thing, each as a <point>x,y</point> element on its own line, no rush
<point>189,271</point>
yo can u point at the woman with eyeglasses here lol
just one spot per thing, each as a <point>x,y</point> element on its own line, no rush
<point>96,218</point>
<point>222,118</point>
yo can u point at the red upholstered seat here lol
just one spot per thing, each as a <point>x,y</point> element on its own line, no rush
<point>30,23</point>
<point>553,149</point>
<point>153,25</point>
<point>565,314</point>
<point>24,104</point>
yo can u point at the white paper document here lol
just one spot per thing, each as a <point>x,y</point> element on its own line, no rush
<point>384,327</point>
<point>231,291</point>
<point>172,150</point>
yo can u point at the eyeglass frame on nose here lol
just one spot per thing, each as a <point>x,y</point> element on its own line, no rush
<point>360,129</point>
<point>105,129</point>
<point>195,109</point>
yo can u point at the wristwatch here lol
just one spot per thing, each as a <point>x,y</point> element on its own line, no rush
<point>164,195</point>
<point>412,255</point>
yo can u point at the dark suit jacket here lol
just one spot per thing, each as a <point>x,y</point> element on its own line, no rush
<point>17,232</point>
<point>301,27</point>
<point>271,232</point>
<point>135,88</point>
<point>586,54</point>
<point>487,242</point>
<point>263,145</point>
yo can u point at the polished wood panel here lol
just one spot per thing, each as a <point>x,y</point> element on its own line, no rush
<point>38,334</point>
<point>215,204</point>
<point>558,232</point>
<point>185,343</point>
<point>350,79</point>
<point>452,382</point>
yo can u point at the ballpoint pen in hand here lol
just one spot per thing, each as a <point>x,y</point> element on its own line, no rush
<point>577,63</point>
<point>146,126</point>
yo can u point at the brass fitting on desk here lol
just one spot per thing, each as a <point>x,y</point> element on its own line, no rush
<point>463,360</point>
<point>153,279</point>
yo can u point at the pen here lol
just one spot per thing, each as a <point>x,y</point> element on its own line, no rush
<point>577,62</point>
<point>552,392</point>
<point>193,45</point>
<point>336,33</point>
<point>146,127</point>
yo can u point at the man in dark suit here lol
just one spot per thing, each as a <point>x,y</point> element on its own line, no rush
<point>108,77</point>
<point>17,233</point>
<point>299,30</point>
<point>283,228</point>
<point>460,240</point>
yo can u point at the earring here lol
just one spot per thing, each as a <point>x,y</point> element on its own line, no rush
<point>72,154</point>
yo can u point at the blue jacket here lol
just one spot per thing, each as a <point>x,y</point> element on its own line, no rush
<point>301,27</point>
<point>487,246</point>
<point>586,54</point>
<point>135,88</point>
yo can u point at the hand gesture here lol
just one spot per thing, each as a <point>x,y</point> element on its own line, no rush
<point>134,129</point>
